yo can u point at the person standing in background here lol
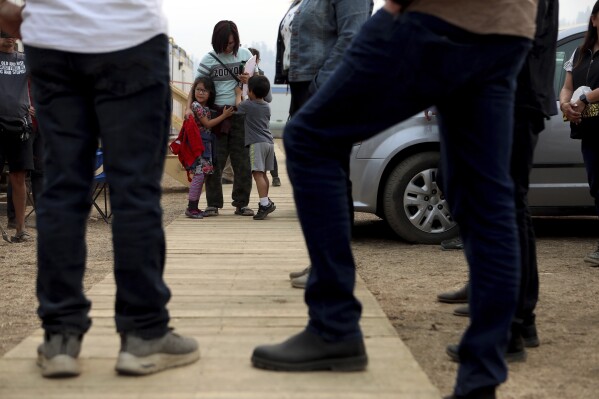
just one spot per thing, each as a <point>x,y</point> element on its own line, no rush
<point>80,98</point>
<point>224,66</point>
<point>274,173</point>
<point>535,101</point>
<point>463,57</point>
<point>312,38</point>
<point>15,147</point>
<point>582,71</point>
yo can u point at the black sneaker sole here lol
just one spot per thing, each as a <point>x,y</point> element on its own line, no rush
<point>509,357</point>
<point>349,364</point>
<point>452,301</point>
<point>262,216</point>
<point>531,342</point>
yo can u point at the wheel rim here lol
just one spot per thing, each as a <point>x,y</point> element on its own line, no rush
<point>424,204</point>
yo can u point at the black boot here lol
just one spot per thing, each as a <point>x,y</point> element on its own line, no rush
<point>307,351</point>
<point>459,296</point>
<point>515,347</point>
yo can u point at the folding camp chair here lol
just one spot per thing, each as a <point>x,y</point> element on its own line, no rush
<point>100,190</point>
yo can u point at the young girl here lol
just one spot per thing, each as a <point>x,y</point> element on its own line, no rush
<point>204,94</point>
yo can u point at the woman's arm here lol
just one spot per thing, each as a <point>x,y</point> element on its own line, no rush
<point>565,96</point>
<point>350,15</point>
<point>238,93</point>
<point>11,17</point>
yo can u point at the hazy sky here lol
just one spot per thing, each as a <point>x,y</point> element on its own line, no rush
<point>570,8</point>
<point>191,22</point>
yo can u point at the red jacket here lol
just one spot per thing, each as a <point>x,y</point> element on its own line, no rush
<point>188,146</point>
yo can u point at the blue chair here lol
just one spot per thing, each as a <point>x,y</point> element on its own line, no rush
<point>101,189</point>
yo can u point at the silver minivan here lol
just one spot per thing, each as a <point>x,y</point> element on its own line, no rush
<point>394,174</point>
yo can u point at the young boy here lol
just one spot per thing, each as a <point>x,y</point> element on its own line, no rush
<point>258,138</point>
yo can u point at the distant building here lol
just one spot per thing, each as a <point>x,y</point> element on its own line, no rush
<point>181,66</point>
<point>181,69</point>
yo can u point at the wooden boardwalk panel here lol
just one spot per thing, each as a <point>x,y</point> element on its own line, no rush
<point>232,293</point>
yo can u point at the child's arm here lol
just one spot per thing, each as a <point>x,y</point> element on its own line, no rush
<point>209,123</point>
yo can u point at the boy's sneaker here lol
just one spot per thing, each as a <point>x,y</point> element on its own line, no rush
<point>146,356</point>
<point>194,213</point>
<point>57,356</point>
<point>276,182</point>
<point>264,210</point>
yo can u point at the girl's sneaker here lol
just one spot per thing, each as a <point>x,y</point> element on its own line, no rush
<point>194,213</point>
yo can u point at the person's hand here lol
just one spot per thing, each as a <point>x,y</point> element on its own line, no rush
<point>188,112</point>
<point>228,111</point>
<point>11,18</point>
<point>392,7</point>
<point>244,77</point>
<point>571,111</point>
<point>32,111</point>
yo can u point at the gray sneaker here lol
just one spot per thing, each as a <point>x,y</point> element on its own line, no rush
<point>57,356</point>
<point>293,275</point>
<point>146,356</point>
<point>300,282</point>
<point>593,258</point>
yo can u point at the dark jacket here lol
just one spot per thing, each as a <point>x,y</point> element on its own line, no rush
<point>535,82</point>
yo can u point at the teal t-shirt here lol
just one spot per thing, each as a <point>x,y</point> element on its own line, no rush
<point>223,81</point>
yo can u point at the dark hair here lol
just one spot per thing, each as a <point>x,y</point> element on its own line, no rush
<point>255,52</point>
<point>259,85</point>
<point>220,36</point>
<point>208,85</point>
<point>590,38</point>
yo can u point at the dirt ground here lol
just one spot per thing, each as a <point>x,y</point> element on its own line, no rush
<point>405,279</point>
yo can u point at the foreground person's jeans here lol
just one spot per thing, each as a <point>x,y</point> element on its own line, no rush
<point>122,98</point>
<point>394,69</point>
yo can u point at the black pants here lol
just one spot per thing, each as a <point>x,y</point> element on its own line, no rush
<point>124,99</point>
<point>527,126</point>
<point>36,176</point>
<point>231,145</point>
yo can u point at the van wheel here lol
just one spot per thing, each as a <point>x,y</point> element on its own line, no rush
<point>413,204</point>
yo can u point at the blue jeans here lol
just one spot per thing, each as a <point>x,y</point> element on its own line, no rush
<point>123,99</point>
<point>395,68</point>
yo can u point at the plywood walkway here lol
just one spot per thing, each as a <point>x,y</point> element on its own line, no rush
<point>228,275</point>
